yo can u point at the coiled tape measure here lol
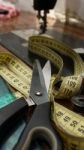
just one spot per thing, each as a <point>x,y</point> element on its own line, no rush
<point>69,124</point>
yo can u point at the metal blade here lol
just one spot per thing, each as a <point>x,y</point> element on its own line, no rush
<point>47,74</point>
<point>38,90</point>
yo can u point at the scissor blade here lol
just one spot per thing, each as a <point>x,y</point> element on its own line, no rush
<point>38,90</point>
<point>47,74</point>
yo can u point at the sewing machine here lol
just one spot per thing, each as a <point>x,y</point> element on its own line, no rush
<point>43,8</point>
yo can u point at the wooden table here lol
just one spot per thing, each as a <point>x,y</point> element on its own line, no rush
<point>28,20</point>
<point>24,20</point>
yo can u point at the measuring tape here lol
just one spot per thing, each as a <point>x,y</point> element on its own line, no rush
<point>18,75</point>
<point>70,85</point>
<point>69,124</point>
<point>15,72</point>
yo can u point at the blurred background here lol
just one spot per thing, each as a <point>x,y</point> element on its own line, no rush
<point>66,13</point>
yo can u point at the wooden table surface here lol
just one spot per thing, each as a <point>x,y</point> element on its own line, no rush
<point>24,20</point>
<point>28,20</point>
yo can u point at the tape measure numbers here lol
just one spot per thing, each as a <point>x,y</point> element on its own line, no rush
<point>15,72</point>
<point>43,46</point>
<point>70,126</point>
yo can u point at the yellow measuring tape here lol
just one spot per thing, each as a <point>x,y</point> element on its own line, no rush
<point>16,73</point>
<point>69,124</point>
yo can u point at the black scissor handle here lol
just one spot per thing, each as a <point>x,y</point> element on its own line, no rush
<point>10,114</point>
<point>40,125</point>
<point>41,132</point>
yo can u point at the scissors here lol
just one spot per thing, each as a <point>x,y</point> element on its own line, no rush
<point>39,125</point>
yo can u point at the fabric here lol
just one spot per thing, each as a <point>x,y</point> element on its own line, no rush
<point>13,138</point>
<point>12,10</point>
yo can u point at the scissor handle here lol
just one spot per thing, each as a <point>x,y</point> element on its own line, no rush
<point>40,126</point>
<point>41,132</point>
<point>10,114</point>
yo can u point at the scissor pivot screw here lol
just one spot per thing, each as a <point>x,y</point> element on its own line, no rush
<point>38,93</point>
